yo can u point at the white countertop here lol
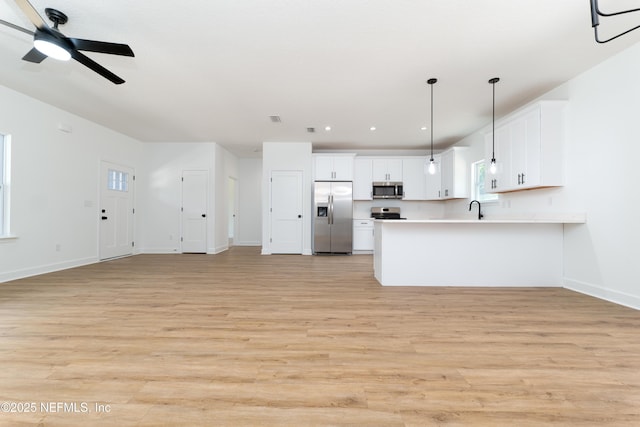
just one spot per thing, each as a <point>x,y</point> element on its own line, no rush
<point>524,219</point>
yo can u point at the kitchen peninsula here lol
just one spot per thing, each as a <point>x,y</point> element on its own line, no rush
<point>524,251</point>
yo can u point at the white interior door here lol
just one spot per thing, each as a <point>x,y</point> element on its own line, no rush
<point>286,212</point>
<point>116,211</point>
<point>195,187</point>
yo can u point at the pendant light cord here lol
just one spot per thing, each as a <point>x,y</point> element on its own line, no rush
<point>493,82</point>
<point>493,121</point>
<point>431,82</point>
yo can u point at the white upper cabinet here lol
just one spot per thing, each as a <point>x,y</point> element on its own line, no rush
<point>413,178</point>
<point>387,170</point>
<point>331,167</point>
<point>433,189</point>
<point>362,179</point>
<point>498,181</point>
<point>449,181</point>
<point>529,149</point>
<point>454,174</point>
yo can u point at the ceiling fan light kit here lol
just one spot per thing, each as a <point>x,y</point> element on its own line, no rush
<point>49,46</point>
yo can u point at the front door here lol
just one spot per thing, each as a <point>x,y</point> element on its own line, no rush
<point>116,211</point>
<point>195,187</point>
<point>286,212</point>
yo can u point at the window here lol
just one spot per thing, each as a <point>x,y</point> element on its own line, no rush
<point>5,156</point>
<point>118,180</point>
<point>478,171</point>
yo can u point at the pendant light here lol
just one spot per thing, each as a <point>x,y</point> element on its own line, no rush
<point>493,168</point>
<point>432,164</point>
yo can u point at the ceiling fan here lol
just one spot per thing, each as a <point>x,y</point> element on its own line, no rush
<point>50,42</point>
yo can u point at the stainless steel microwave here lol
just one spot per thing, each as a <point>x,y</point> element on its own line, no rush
<point>387,190</point>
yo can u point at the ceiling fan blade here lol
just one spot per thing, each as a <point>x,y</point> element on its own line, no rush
<point>34,55</point>
<point>102,47</point>
<point>16,27</point>
<point>32,14</point>
<point>90,63</point>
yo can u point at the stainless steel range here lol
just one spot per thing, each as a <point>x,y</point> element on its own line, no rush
<point>386,213</point>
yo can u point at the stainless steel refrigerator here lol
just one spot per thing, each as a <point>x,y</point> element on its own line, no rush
<point>333,217</point>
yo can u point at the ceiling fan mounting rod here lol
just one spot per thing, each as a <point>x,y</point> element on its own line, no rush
<point>57,17</point>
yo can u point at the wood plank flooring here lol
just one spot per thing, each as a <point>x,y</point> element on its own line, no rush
<point>240,339</point>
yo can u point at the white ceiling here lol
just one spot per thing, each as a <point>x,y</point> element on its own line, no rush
<point>216,70</point>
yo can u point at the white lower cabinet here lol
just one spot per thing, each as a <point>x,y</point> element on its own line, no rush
<point>363,237</point>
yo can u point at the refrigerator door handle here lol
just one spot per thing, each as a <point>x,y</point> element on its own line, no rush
<point>330,208</point>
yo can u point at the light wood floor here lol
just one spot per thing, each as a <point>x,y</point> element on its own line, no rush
<point>241,339</point>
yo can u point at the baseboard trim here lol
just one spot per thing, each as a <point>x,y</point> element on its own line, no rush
<point>217,249</point>
<point>607,294</point>
<point>159,251</point>
<point>48,268</point>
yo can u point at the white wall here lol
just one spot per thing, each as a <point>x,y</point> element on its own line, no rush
<point>55,185</point>
<point>602,151</point>
<point>226,166</point>
<point>55,188</point>
<point>249,189</point>
<point>286,156</point>
<point>602,258</point>
<point>161,193</point>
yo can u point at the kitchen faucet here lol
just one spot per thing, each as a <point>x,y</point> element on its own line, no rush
<point>479,208</point>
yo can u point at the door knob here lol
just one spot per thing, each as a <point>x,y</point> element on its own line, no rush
<point>204,215</point>
<point>299,216</point>
<point>104,217</point>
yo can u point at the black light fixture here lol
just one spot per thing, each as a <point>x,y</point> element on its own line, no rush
<point>595,13</point>
<point>493,168</point>
<point>50,41</point>
<point>432,164</point>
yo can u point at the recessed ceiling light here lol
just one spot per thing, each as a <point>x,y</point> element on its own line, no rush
<point>423,128</point>
<point>327,128</point>
<point>372,128</point>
